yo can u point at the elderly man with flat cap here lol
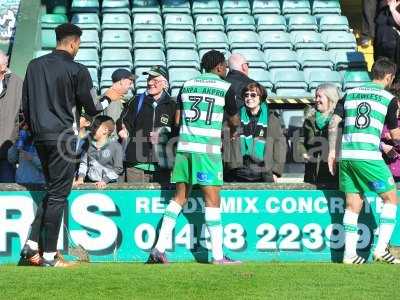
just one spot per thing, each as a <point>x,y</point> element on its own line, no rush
<point>146,126</point>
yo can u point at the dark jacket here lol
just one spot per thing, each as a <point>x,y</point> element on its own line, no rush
<point>139,125</point>
<point>55,90</point>
<point>274,160</point>
<point>239,81</point>
<point>316,169</point>
<point>10,104</point>
<point>387,38</point>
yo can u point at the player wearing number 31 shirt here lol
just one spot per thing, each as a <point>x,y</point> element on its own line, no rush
<point>365,110</point>
<point>203,102</point>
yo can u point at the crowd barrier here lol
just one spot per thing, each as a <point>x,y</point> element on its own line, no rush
<point>267,222</point>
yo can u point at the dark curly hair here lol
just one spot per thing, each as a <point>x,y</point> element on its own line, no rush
<point>211,59</point>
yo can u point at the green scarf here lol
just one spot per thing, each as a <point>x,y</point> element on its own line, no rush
<point>253,143</point>
<point>322,120</point>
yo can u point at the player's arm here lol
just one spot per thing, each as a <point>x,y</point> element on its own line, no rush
<point>87,96</point>
<point>391,120</point>
<point>179,107</point>
<point>333,135</point>
<point>231,110</point>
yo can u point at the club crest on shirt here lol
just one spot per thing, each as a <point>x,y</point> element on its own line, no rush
<point>164,119</point>
<point>106,153</point>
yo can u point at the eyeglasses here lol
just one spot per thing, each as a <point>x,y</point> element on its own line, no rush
<point>154,80</point>
<point>250,95</point>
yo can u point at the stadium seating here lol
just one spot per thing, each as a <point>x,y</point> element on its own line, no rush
<point>273,35</point>
<point>240,22</point>
<point>177,76</point>
<point>261,7</point>
<point>95,77</point>
<point>209,23</point>
<point>178,22</point>
<point>116,6</point>
<point>353,79</point>
<point>281,58</point>
<point>289,82</point>
<point>116,21</point>
<point>87,21</point>
<point>315,77</point>
<point>271,23</point>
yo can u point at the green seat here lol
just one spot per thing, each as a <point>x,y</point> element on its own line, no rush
<point>352,79</point>
<point>178,76</point>
<point>292,93</point>
<point>148,39</point>
<point>254,57</point>
<point>288,78</point>
<point>176,7</point>
<point>41,53</point>
<point>317,77</point>
<point>148,58</point>
<point>116,39</point>
<point>235,7</point>
<point>209,23</point>
<point>116,21</point>
<point>86,21</point>
<point>95,77</point>
<point>90,39</point>
<point>206,7</point>
<point>115,6</point>
<point>333,23</point>
<point>326,7</point>
<point>314,58</point>
<point>178,22</point>
<point>271,23</point>
<point>347,59</point>
<point>211,40</point>
<point>88,57</point>
<point>183,58</point>
<point>179,40</point>
<point>85,6</point>
<point>339,40</point>
<point>59,10</point>
<point>243,39</point>
<point>145,6</point>
<point>261,7</point>
<point>302,22</point>
<point>48,38</point>
<point>240,22</point>
<point>281,58</point>
<point>117,58</point>
<point>261,76</point>
<point>296,7</point>
<point>144,21</point>
<point>51,21</point>
<point>275,40</point>
<point>307,40</point>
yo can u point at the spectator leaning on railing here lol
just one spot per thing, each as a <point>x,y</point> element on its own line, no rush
<point>259,151</point>
<point>315,128</point>
<point>10,105</point>
<point>146,126</point>
<point>102,162</point>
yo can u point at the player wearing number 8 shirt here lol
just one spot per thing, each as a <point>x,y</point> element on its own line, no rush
<point>203,102</point>
<point>362,169</point>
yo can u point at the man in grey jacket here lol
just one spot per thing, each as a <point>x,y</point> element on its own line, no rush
<point>10,104</point>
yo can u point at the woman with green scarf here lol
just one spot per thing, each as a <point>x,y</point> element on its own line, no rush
<point>254,122</point>
<point>315,129</point>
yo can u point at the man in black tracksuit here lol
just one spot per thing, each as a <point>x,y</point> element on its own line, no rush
<point>55,90</point>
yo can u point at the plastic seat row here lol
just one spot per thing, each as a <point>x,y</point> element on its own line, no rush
<point>209,6</point>
<point>211,39</point>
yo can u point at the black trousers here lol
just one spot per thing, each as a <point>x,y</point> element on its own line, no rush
<point>58,163</point>
<point>369,8</point>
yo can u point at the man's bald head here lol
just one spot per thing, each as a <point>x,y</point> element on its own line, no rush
<point>239,63</point>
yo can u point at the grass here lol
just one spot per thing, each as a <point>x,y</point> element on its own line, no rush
<point>201,281</point>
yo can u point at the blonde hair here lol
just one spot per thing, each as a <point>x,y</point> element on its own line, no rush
<point>332,92</point>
